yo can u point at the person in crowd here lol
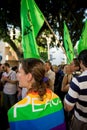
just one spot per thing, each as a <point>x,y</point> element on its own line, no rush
<point>41,108</point>
<point>50,73</point>
<point>19,90</point>
<point>77,96</point>
<point>15,68</point>
<point>65,86</point>
<point>1,71</point>
<point>70,70</point>
<point>9,86</point>
<point>66,79</point>
<point>75,67</point>
<point>1,85</point>
<point>58,81</point>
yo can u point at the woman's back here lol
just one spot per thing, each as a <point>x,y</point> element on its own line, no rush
<point>31,113</point>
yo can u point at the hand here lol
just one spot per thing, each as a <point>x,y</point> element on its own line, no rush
<point>4,78</point>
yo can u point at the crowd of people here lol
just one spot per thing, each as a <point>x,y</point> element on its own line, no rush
<point>40,96</point>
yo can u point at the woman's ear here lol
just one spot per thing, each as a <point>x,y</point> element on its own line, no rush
<point>29,77</point>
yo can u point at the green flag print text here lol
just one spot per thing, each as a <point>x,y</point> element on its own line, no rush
<point>31,21</point>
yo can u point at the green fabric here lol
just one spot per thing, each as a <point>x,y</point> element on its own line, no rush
<point>68,45</point>
<point>31,22</point>
<point>83,39</point>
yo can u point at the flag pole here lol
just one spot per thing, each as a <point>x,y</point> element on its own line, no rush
<point>54,35</point>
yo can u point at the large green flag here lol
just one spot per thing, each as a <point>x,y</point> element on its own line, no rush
<point>31,21</point>
<point>68,45</point>
<point>82,44</point>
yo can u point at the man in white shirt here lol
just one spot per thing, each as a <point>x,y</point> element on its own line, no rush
<point>10,87</point>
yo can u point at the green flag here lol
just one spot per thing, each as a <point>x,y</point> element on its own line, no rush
<point>31,21</point>
<point>68,45</point>
<point>82,44</point>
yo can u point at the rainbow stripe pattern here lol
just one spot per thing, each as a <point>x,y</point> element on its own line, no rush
<point>34,114</point>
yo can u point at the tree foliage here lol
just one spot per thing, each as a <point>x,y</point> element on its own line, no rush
<point>58,11</point>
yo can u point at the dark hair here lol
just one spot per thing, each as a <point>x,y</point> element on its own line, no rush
<point>83,57</point>
<point>36,68</point>
<point>48,62</point>
<point>76,62</point>
<point>7,64</point>
<point>14,68</point>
